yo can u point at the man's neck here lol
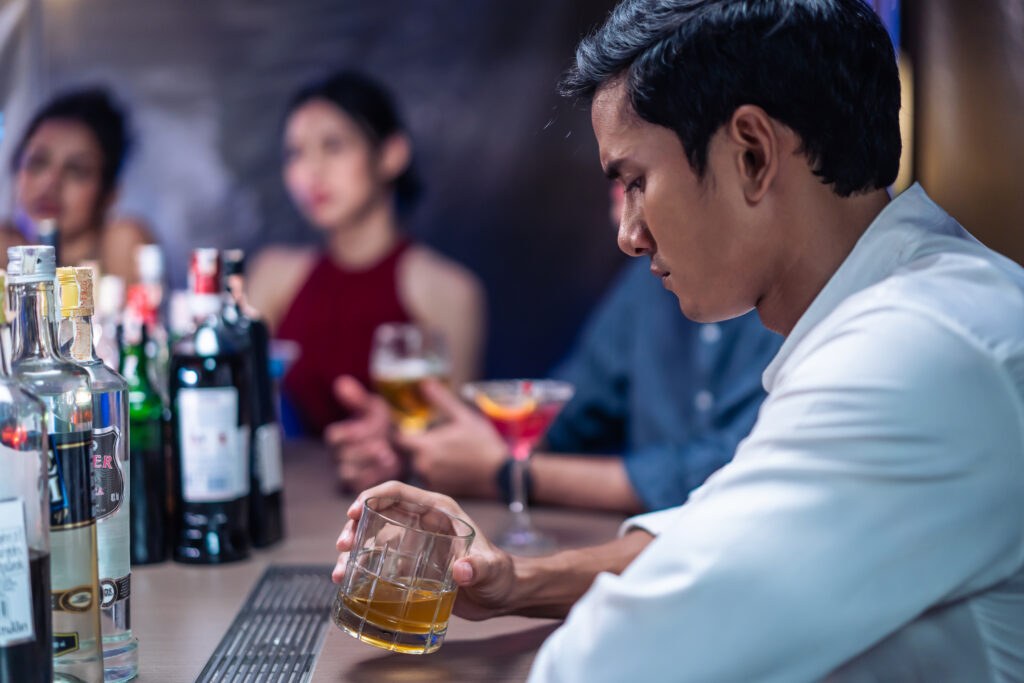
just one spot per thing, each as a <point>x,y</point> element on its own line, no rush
<point>823,229</point>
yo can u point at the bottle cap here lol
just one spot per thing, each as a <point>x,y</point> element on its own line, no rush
<point>150,259</point>
<point>234,262</point>
<point>75,291</point>
<point>34,263</point>
<point>204,272</point>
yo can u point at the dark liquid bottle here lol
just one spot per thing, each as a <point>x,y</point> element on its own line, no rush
<point>265,499</point>
<point>32,661</point>
<point>148,534</point>
<point>210,430</point>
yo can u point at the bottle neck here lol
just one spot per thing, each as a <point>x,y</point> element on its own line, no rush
<point>34,322</point>
<point>78,339</point>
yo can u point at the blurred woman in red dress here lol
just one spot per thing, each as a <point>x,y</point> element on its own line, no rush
<point>347,166</point>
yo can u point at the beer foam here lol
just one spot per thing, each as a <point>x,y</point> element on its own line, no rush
<point>397,369</point>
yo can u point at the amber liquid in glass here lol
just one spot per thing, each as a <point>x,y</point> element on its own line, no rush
<point>395,609</point>
<point>410,410</point>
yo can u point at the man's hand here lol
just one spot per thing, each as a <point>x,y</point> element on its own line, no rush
<point>360,444</point>
<point>462,456</point>
<point>486,576</point>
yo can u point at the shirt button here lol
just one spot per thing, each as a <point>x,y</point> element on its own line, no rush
<point>710,333</point>
<point>703,401</point>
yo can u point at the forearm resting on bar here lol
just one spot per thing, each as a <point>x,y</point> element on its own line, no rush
<point>587,481</point>
<point>549,586</point>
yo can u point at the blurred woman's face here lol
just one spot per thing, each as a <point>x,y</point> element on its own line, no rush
<point>60,177</point>
<point>330,166</point>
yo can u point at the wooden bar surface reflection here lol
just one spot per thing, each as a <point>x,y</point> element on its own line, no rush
<point>181,612</point>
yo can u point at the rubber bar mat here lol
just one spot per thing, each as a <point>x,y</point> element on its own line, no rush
<point>277,635</point>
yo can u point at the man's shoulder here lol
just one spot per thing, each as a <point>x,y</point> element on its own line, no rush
<point>974,294</point>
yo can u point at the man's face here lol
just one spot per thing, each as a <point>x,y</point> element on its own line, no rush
<point>698,234</point>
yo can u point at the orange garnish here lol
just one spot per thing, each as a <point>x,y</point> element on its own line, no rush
<point>507,412</point>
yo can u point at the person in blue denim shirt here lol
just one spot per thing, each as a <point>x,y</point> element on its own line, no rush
<point>671,396</point>
<point>663,399</point>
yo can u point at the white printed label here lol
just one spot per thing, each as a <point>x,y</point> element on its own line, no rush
<point>214,452</point>
<point>268,458</point>
<point>23,472</point>
<point>15,587</point>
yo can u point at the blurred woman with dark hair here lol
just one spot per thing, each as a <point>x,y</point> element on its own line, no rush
<point>66,169</point>
<point>348,167</point>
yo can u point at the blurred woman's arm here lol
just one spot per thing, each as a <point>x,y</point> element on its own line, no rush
<point>274,279</point>
<point>118,244</point>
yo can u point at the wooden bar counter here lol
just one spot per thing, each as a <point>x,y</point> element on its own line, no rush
<point>180,612</point>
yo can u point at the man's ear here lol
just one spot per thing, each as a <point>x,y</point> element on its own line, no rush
<point>756,143</point>
<point>394,156</point>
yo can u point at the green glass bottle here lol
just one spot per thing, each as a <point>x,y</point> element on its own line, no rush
<point>145,418</point>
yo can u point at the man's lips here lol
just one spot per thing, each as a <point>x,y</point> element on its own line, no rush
<point>658,271</point>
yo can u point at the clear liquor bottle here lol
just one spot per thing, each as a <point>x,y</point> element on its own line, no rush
<point>64,389</point>
<point>26,634</point>
<point>146,445</point>
<point>210,429</point>
<point>111,473</point>
<point>266,521</point>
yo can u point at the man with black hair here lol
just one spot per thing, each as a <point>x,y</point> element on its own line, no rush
<point>871,527</point>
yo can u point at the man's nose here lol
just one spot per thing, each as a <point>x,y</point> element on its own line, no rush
<point>634,238</point>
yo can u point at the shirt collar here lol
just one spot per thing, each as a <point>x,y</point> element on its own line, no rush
<point>894,234</point>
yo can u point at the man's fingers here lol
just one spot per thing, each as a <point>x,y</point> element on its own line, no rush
<point>396,489</point>
<point>339,568</point>
<point>443,398</point>
<point>351,393</point>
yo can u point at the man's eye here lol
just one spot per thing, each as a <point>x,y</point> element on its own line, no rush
<point>636,185</point>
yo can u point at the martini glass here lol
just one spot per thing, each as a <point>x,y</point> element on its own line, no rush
<point>521,410</point>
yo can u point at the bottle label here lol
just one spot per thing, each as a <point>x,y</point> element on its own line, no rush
<point>114,590</point>
<point>70,476</point>
<point>15,586</point>
<point>107,477</point>
<point>63,643</point>
<point>268,458</point>
<point>22,478</point>
<point>111,471</point>
<point>214,452</point>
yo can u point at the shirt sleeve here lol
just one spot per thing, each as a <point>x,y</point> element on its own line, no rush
<point>884,477</point>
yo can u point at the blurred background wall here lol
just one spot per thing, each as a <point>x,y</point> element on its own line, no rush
<point>968,61</point>
<point>513,187</point>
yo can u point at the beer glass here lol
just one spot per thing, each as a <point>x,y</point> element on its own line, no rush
<point>398,591</point>
<point>402,356</point>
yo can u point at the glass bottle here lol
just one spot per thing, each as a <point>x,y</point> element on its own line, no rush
<point>210,429</point>
<point>111,473</point>
<point>265,498</point>
<point>64,389</point>
<point>145,418</point>
<point>26,634</point>
<point>150,261</point>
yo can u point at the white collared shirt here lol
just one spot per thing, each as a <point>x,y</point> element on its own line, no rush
<point>871,527</point>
